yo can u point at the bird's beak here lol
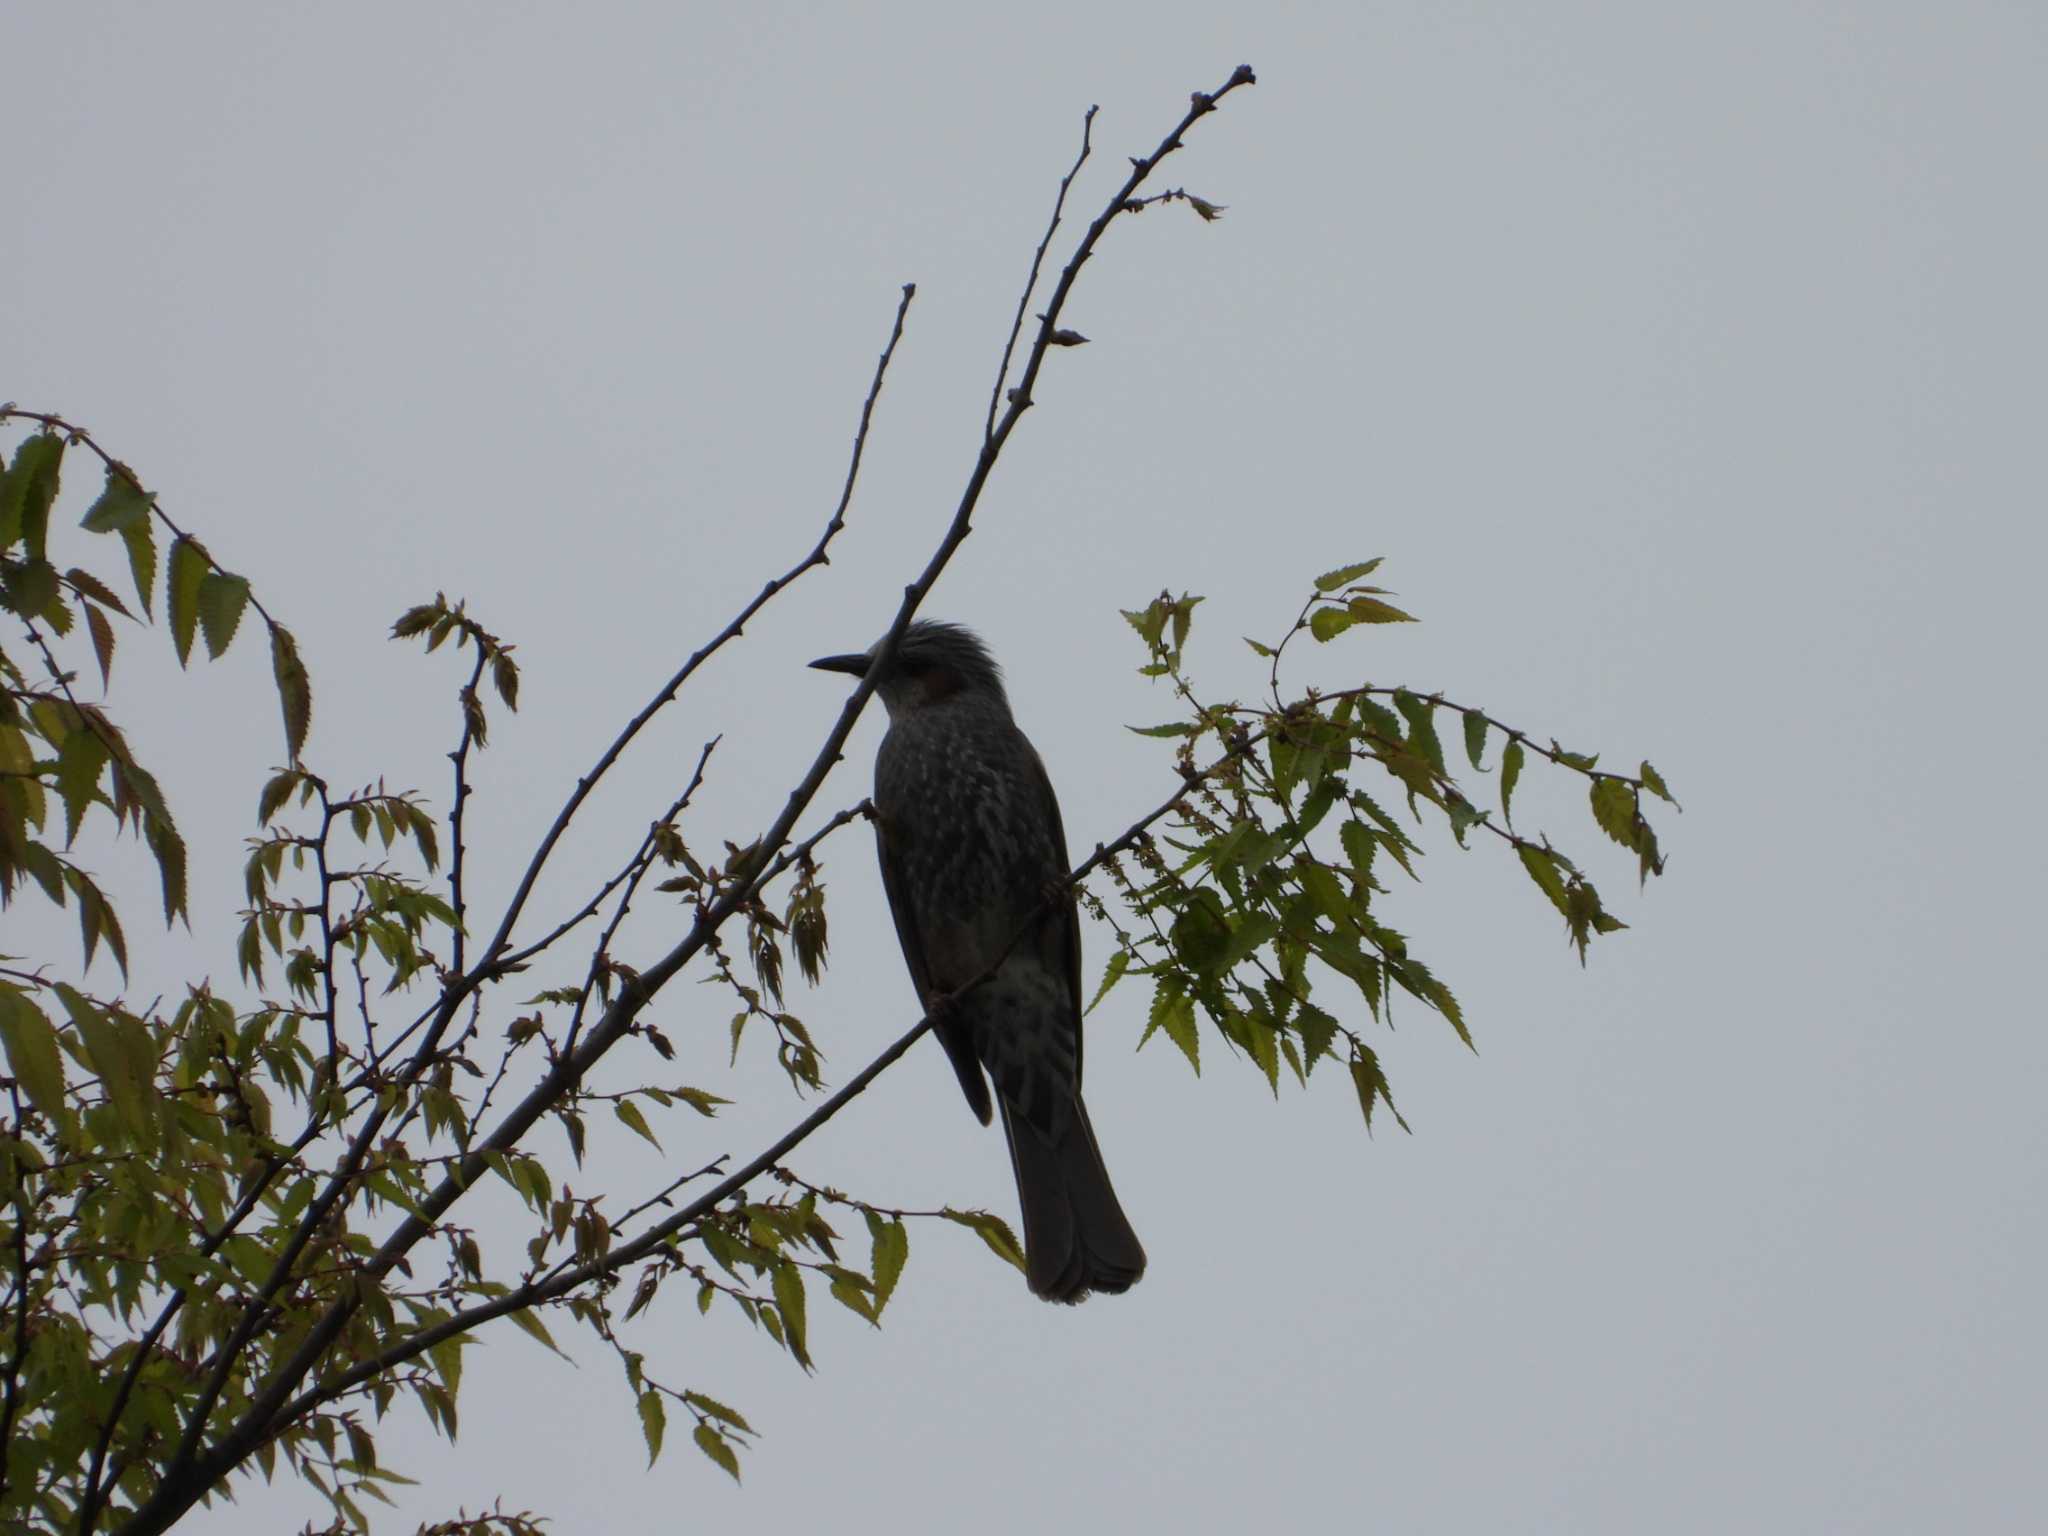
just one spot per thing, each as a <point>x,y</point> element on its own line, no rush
<point>857,664</point>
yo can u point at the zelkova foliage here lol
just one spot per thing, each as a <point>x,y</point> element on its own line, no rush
<point>242,1223</point>
<point>1276,852</point>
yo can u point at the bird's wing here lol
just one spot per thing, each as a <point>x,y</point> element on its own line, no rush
<point>953,1034</point>
<point>1060,936</point>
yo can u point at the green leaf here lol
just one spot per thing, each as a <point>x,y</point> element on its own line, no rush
<point>1475,738</point>
<point>1370,610</point>
<point>717,1410</point>
<point>1171,728</point>
<point>31,588</point>
<point>1201,932</point>
<point>188,570</point>
<point>1542,866</point>
<point>32,1053</point>
<point>1326,624</point>
<point>1421,716</point>
<point>630,1116</point>
<point>789,1301</point>
<point>88,585</point>
<point>1264,1044</point>
<point>1614,807</point>
<point>714,1445</point>
<point>1174,1011</point>
<point>27,490</point>
<point>1359,847</point>
<point>1344,575</point>
<point>122,1055</point>
<point>1654,782</point>
<point>891,1252</point>
<point>653,1423</point>
<point>1111,974</point>
<point>1371,1083</point>
<point>1510,771</point>
<point>294,688</point>
<point>993,1230</point>
<point>141,542</point>
<point>1317,1030</point>
<point>121,506</point>
<point>221,601</point>
<point>79,764</point>
<point>529,1323</point>
<point>102,642</point>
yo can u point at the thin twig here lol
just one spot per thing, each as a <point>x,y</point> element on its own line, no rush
<point>995,398</point>
<point>460,757</point>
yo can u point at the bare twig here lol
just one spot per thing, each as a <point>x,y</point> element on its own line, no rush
<point>460,757</point>
<point>995,398</point>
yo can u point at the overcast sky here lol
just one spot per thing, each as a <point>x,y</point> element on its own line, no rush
<point>1685,362</point>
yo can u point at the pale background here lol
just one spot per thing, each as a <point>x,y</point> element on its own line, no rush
<point>1685,363</point>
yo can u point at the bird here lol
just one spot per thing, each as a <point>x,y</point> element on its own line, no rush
<point>974,863</point>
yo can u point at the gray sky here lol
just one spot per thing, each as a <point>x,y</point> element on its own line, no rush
<point>1685,363</point>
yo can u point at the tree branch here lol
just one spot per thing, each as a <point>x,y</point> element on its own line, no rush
<point>189,1476</point>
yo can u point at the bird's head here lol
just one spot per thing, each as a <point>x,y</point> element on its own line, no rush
<point>934,661</point>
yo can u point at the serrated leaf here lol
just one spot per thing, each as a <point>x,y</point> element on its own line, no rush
<point>1371,1083</point>
<point>992,1230</point>
<point>102,642</point>
<point>88,585</point>
<point>1654,782</point>
<point>31,589</point>
<point>1542,866</point>
<point>221,601</point>
<point>1344,575</point>
<point>1263,650</point>
<point>32,1053</point>
<point>187,573</point>
<point>531,1325</point>
<point>1119,962</point>
<point>121,505</point>
<point>718,1410</point>
<point>1420,714</point>
<point>788,1284</point>
<point>1614,808</point>
<point>1510,771</point>
<point>630,1116</point>
<point>1327,624</point>
<point>891,1251</point>
<point>1370,610</point>
<point>27,490</point>
<point>1318,1030</point>
<point>653,1423</point>
<point>1475,738</point>
<point>275,793</point>
<point>123,1058</point>
<point>1174,1011</point>
<point>294,688</point>
<point>714,1445</point>
<point>140,541</point>
<point>1359,848</point>
<point>1171,728</point>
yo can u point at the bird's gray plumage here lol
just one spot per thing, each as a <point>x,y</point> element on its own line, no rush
<point>971,844</point>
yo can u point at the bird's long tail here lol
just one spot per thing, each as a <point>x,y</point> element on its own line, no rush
<point>1076,1237</point>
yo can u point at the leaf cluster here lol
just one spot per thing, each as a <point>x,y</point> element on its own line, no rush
<point>1267,885</point>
